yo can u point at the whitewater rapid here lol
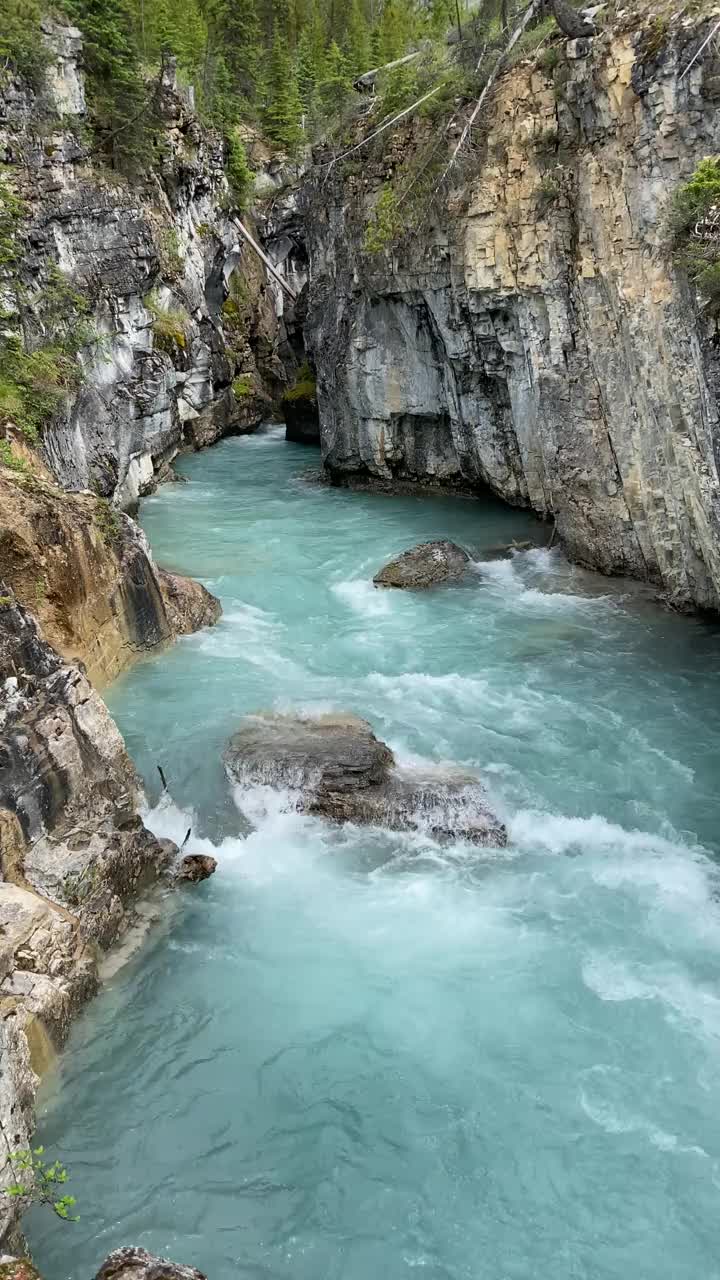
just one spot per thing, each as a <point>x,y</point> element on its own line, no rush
<point>357,1051</point>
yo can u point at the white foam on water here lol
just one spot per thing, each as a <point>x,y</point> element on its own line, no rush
<point>505,576</point>
<point>362,596</point>
<point>617,1115</point>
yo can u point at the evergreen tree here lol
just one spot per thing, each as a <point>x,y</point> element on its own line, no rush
<point>336,86</point>
<point>121,105</point>
<point>396,29</point>
<point>284,108</point>
<point>357,40</point>
<point>240,35</point>
<point>309,71</point>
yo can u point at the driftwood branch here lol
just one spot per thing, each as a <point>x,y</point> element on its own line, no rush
<point>368,78</point>
<point>264,259</point>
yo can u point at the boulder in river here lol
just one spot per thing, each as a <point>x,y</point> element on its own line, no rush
<point>424,566</point>
<point>196,866</point>
<point>188,604</point>
<point>335,767</point>
<point>137,1264</point>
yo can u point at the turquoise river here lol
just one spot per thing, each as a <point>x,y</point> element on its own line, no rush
<point>354,1054</point>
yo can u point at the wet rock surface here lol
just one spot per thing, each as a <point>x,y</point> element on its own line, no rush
<point>74,856</point>
<point>536,338</point>
<point>189,605</point>
<point>195,867</point>
<point>335,767</point>
<point>138,1264</point>
<point>424,566</point>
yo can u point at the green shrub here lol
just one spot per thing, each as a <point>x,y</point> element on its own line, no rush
<point>107,521</point>
<point>169,326</point>
<point>21,41</point>
<point>33,384</point>
<point>693,225</point>
<point>549,58</point>
<point>239,174</point>
<point>243,386</point>
<point>38,1183</point>
<point>171,262</point>
<point>8,458</point>
<point>386,223</point>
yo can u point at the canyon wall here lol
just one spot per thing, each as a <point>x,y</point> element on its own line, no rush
<point>187,345</point>
<point>531,335</point>
<point>74,854</point>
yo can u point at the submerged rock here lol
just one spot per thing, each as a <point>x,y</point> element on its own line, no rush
<point>505,550</point>
<point>335,767</point>
<point>188,604</point>
<point>137,1264</point>
<point>196,866</point>
<point>424,566</point>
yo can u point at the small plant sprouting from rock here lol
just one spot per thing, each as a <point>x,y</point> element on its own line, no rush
<point>107,521</point>
<point>549,191</point>
<point>386,223</point>
<point>304,387</point>
<point>169,326</point>
<point>8,458</point>
<point>243,386</point>
<point>693,223</point>
<point>39,1182</point>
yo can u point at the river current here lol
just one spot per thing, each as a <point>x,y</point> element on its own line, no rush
<point>356,1054</point>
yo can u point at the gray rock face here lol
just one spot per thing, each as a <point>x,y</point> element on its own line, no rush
<point>188,604</point>
<point>138,1264</point>
<point>424,566</point>
<point>74,854</point>
<point>335,767</point>
<point>166,248</point>
<point>534,337</point>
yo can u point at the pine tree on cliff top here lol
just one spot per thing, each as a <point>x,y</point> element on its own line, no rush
<point>283,109</point>
<point>121,105</point>
<point>357,40</point>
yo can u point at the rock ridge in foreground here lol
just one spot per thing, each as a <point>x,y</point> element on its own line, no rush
<point>74,856</point>
<point>333,766</point>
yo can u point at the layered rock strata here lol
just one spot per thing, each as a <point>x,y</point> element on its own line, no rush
<point>186,339</point>
<point>335,767</point>
<point>74,855</point>
<point>533,336</point>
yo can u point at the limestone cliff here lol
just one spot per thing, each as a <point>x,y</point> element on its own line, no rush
<point>73,856</point>
<point>85,570</point>
<point>532,336</point>
<point>185,337</point>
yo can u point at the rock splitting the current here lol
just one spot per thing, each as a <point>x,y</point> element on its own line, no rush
<point>424,566</point>
<point>335,767</point>
<point>188,604</point>
<point>196,866</point>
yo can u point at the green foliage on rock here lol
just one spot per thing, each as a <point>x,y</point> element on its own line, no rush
<point>239,174</point>
<point>386,222</point>
<point>169,326</point>
<point>21,43</point>
<point>38,1182</point>
<point>304,387</point>
<point>243,386</point>
<point>693,223</point>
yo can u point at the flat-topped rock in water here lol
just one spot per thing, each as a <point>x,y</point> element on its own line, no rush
<point>137,1264</point>
<point>424,566</point>
<point>333,766</point>
<point>325,754</point>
